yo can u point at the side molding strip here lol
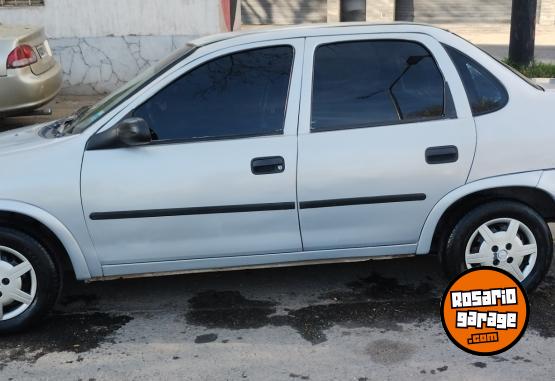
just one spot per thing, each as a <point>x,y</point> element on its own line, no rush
<point>192,211</point>
<point>362,201</point>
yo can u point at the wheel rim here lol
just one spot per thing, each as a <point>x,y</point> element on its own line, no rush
<point>505,243</point>
<point>18,283</point>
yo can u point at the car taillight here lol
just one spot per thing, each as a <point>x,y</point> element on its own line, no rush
<point>22,56</point>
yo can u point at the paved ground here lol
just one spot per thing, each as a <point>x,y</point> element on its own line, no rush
<point>365,321</point>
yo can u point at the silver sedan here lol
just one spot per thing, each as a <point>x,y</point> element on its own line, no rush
<point>273,148</point>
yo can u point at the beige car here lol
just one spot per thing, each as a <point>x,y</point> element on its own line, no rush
<point>30,77</point>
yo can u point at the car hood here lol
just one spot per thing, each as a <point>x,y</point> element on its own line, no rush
<point>26,138</point>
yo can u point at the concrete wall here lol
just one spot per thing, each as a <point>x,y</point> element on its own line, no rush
<point>376,10</point>
<point>380,10</point>
<point>99,18</point>
<point>547,12</point>
<point>102,44</point>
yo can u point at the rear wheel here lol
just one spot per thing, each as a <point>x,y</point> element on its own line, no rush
<point>29,281</point>
<point>503,234</point>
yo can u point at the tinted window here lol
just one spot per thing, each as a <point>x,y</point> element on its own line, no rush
<point>242,94</point>
<point>369,83</point>
<point>485,93</point>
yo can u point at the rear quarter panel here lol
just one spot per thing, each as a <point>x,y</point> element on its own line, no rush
<point>517,138</point>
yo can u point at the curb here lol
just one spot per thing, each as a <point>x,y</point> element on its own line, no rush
<point>545,81</point>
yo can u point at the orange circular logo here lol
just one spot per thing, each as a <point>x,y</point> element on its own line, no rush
<point>485,311</point>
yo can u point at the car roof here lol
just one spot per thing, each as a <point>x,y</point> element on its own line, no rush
<point>313,30</point>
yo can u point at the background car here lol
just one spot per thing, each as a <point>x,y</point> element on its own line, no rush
<point>30,77</point>
<point>273,148</point>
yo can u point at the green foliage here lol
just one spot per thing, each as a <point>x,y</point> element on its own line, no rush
<point>535,70</point>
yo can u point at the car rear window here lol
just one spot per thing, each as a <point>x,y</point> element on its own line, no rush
<point>485,92</point>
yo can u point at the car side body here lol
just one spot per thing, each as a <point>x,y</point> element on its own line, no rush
<point>345,195</point>
<point>28,85</point>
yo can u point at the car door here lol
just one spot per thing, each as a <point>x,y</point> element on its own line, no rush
<point>218,179</point>
<point>385,132</point>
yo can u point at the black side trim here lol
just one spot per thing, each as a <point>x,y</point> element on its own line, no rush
<point>362,201</point>
<point>192,211</point>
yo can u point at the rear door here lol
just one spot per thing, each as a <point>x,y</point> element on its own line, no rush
<point>385,132</point>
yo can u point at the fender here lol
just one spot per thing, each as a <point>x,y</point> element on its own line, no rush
<point>526,179</point>
<point>64,235</point>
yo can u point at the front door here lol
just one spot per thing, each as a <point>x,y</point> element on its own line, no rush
<point>385,132</point>
<point>219,178</point>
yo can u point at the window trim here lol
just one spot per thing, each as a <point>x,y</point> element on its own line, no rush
<point>506,97</point>
<point>447,94</point>
<point>7,4</point>
<point>229,137</point>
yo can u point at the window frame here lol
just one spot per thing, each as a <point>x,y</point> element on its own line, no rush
<point>449,107</point>
<point>506,95</point>
<point>230,137</point>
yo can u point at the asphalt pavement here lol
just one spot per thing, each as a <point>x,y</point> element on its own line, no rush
<point>363,321</point>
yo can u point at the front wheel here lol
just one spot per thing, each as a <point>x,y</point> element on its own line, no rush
<point>503,234</point>
<point>29,281</point>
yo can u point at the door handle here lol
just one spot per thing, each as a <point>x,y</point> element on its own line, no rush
<point>442,155</point>
<point>267,165</point>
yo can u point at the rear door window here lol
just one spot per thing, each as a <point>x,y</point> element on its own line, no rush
<point>371,83</point>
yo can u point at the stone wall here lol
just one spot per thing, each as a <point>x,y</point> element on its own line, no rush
<point>99,65</point>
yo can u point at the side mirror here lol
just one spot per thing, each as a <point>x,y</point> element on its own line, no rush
<point>128,133</point>
<point>134,132</point>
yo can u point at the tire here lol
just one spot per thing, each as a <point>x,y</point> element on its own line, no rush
<point>16,248</point>
<point>466,246</point>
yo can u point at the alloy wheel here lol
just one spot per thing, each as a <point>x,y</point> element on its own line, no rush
<point>18,283</point>
<point>505,243</point>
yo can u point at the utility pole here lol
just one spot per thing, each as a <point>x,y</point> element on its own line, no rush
<point>523,32</point>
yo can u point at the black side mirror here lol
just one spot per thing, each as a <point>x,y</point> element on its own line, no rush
<point>128,133</point>
<point>134,132</point>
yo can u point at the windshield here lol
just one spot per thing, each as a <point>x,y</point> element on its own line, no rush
<point>85,119</point>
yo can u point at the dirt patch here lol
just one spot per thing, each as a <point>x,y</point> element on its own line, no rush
<point>542,304</point>
<point>78,333</point>
<point>368,303</point>
<point>229,309</point>
<point>208,338</point>
<point>389,352</point>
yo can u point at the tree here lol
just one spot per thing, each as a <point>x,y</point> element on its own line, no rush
<point>523,32</point>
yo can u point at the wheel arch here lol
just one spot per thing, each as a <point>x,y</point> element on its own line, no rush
<point>49,231</point>
<point>520,187</point>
